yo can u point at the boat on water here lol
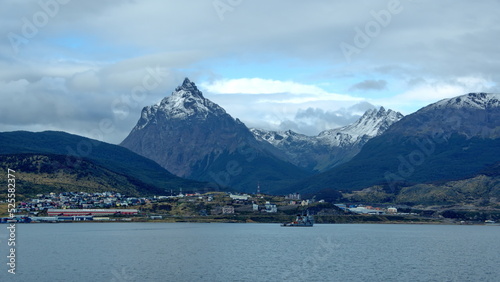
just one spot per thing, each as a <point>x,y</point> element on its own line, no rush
<point>491,222</point>
<point>301,221</point>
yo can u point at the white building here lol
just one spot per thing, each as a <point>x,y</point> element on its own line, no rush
<point>392,210</point>
<point>228,210</point>
<point>271,208</point>
<point>363,210</point>
<point>243,197</point>
<point>294,196</point>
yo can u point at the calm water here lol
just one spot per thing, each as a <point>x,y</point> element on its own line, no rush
<point>252,252</point>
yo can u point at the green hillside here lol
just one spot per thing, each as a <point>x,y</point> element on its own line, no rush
<point>45,173</point>
<point>481,190</point>
<point>78,150</point>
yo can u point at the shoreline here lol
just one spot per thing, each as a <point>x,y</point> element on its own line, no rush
<point>320,220</point>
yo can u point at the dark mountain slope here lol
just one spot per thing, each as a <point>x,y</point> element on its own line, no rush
<point>78,149</point>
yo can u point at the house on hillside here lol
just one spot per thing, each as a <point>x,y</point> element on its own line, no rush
<point>271,208</point>
<point>228,210</point>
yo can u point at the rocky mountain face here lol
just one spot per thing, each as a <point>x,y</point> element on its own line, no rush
<point>180,131</point>
<point>195,138</point>
<point>331,147</point>
<point>449,140</point>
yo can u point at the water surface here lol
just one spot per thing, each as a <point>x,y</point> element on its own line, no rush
<point>253,252</point>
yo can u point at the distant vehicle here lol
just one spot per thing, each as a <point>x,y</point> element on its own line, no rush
<point>301,221</point>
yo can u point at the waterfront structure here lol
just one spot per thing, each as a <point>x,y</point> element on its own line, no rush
<point>365,210</point>
<point>93,212</point>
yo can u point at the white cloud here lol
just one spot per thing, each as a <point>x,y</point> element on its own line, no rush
<point>260,86</point>
<point>435,90</point>
<point>86,81</point>
<point>303,93</point>
<point>308,99</point>
<point>432,90</point>
<point>443,47</point>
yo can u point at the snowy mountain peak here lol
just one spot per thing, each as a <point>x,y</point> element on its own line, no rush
<point>471,100</point>
<point>372,123</point>
<point>188,87</point>
<point>185,102</point>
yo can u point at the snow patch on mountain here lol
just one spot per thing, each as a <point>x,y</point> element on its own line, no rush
<point>279,138</point>
<point>471,100</point>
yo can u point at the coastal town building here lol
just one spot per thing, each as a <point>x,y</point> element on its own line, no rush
<point>294,196</point>
<point>271,208</point>
<point>392,210</point>
<point>90,212</point>
<point>243,197</point>
<point>366,210</point>
<point>228,210</point>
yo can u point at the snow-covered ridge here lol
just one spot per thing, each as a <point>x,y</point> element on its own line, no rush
<point>278,138</point>
<point>330,147</point>
<point>471,100</point>
<point>372,123</point>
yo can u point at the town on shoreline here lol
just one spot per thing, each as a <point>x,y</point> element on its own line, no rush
<point>214,207</point>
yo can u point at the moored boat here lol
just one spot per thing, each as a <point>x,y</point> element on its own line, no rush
<point>301,221</point>
<point>491,222</point>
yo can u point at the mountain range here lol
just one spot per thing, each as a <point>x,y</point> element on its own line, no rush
<point>451,143</point>
<point>331,147</point>
<point>449,140</point>
<point>195,138</point>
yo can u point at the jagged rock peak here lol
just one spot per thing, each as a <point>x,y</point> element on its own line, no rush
<point>381,113</point>
<point>188,86</point>
<point>373,123</point>
<point>186,102</point>
<point>187,99</point>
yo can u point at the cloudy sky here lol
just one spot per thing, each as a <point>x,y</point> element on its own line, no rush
<point>88,67</point>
